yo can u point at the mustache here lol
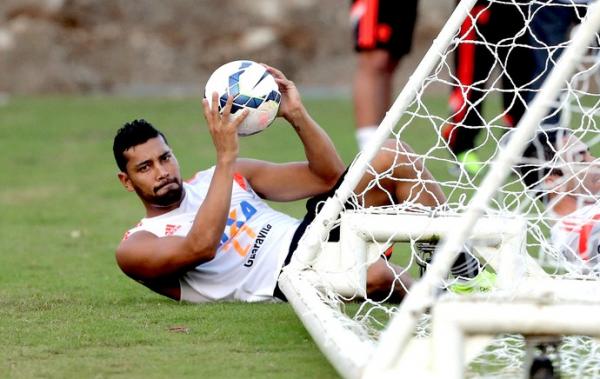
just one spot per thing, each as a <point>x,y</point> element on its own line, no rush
<point>165,183</point>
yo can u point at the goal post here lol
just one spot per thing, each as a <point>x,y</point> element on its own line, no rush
<point>499,215</point>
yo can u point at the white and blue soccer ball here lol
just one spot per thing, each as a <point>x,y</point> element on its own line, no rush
<point>252,88</point>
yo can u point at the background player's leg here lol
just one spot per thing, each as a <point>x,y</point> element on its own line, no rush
<point>472,62</point>
<point>515,75</point>
<point>372,91</point>
<point>383,31</point>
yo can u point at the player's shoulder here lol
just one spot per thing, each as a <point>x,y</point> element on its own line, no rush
<point>132,252</point>
<point>135,238</point>
<point>200,176</point>
<point>137,245</point>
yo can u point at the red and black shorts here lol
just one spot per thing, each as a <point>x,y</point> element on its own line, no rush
<point>383,24</point>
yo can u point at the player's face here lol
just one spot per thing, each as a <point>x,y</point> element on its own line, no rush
<point>581,170</point>
<point>153,173</point>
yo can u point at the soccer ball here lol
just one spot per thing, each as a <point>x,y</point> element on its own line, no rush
<point>252,87</point>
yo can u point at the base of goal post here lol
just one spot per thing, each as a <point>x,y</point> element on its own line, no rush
<point>527,299</point>
<point>462,326</point>
<point>544,312</point>
<point>340,270</point>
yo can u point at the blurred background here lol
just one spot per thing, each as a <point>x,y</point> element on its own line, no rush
<point>169,48</point>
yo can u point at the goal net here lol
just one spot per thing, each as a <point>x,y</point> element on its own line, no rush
<point>506,267</point>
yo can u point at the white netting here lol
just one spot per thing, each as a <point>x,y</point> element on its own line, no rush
<point>575,357</point>
<point>505,50</point>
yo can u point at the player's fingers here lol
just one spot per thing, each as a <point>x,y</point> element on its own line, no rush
<point>206,109</point>
<point>227,108</point>
<point>275,72</point>
<point>210,113</point>
<point>238,120</point>
<point>213,109</point>
<point>282,82</point>
<point>214,103</point>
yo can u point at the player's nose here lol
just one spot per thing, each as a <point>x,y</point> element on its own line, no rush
<point>161,172</point>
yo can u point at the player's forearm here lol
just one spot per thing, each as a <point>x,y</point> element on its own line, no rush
<point>209,224</point>
<point>323,159</point>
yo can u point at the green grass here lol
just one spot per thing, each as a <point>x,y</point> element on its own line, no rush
<point>66,311</point>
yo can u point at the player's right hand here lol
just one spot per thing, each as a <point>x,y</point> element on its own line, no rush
<point>223,127</point>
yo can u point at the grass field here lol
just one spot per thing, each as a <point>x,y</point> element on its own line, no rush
<point>66,311</point>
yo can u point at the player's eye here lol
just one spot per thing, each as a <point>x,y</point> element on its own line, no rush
<point>143,168</point>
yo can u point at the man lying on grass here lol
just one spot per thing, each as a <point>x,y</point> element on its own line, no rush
<point>214,238</point>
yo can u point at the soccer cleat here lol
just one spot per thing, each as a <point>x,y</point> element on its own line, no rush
<point>483,282</point>
<point>467,161</point>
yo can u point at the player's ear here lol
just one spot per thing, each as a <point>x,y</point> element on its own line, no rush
<point>125,181</point>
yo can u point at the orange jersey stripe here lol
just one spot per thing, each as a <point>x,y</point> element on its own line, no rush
<point>240,180</point>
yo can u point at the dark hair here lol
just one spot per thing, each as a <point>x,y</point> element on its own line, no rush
<point>538,157</point>
<point>132,134</point>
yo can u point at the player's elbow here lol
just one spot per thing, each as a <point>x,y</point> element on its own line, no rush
<point>330,182</point>
<point>128,266</point>
<point>205,254</point>
<point>147,267</point>
<point>338,171</point>
<point>330,178</point>
<point>202,248</point>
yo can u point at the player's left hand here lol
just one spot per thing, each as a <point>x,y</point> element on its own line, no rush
<point>291,103</point>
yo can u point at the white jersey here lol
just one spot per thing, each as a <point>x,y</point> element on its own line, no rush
<point>577,236</point>
<point>252,250</point>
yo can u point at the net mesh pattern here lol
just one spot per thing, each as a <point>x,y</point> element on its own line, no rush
<point>461,118</point>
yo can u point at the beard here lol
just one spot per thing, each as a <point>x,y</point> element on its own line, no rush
<point>162,197</point>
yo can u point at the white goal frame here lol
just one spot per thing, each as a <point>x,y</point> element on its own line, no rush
<point>535,295</point>
<point>466,324</point>
<point>344,265</point>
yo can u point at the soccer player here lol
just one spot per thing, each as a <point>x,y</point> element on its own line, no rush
<point>560,170</point>
<point>214,238</point>
<point>488,41</point>
<point>551,23</point>
<point>383,32</point>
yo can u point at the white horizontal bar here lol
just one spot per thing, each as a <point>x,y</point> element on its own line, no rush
<point>404,227</point>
